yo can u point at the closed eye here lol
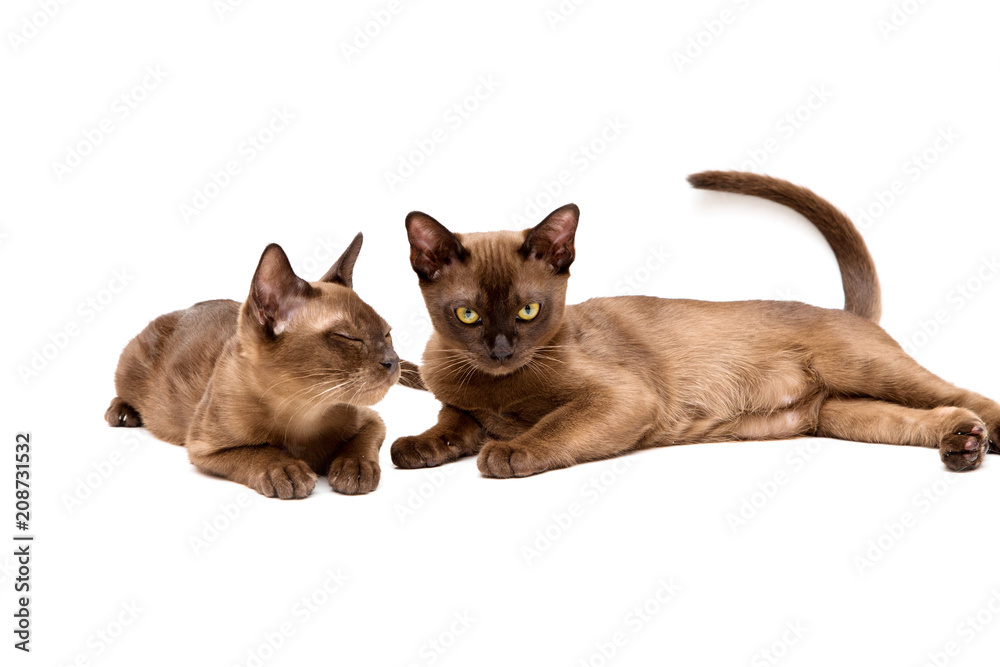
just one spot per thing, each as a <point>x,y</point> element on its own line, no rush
<point>345,336</point>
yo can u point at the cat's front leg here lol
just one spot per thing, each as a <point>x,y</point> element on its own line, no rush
<point>355,469</point>
<point>266,469</point>
<point>455,435</point>
<point>597,425</point>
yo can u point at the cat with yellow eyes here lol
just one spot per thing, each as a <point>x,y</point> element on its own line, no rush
<point>529,383</point>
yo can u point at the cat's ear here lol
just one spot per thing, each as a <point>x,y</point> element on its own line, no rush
<point>342,271</point>
<point>276,292</point>
<point>432,247</point>
<point>551,240</point>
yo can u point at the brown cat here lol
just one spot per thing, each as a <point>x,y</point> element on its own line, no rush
<point>272,392</point>
<point>531,384</point>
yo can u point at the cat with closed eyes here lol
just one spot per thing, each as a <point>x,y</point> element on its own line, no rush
<point>531,384</point>
<point>270,392</point>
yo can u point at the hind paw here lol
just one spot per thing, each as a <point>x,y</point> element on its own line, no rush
<point>994,440</point>
<point>120,413</point>
<point>965,442</point>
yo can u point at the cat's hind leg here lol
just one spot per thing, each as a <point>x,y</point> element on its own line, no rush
<point>872,365</point>
<point>120,413</point>
<point>959,434</point>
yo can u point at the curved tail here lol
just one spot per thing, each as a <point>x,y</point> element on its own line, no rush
<point>862,295</point>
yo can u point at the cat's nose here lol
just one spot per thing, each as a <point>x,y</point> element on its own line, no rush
<point>390,363</point>
<point>502,348</point>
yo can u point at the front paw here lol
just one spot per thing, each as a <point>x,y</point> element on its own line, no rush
<point>285,479</point>
<point>505,459</point>
<point>965,442</point>
<point>353,476</point>
<point>423,451</point>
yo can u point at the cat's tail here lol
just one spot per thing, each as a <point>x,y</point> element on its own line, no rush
<point>409,375</point>
<point>862,295</point>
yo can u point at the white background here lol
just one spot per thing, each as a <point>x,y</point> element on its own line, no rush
<point>125,538</point>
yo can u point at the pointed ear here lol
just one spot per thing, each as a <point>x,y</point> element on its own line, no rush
<point>276,292</point>
<point>432,247</point>
<point>551,241</point>
<point>342,271</point>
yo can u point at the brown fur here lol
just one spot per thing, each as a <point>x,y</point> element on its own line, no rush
<point>270,393</point>
<point>611,375</point>
<point>857,268</point>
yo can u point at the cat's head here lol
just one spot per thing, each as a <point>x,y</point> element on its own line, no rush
<point>315,342</point>
<point>496,296</point>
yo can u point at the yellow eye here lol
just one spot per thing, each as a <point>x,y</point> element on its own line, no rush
<point>529,312</point>
<point>467,315</point>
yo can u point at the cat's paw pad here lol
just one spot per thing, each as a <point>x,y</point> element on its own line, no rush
<point>284,479</point>
<point>965,443</point>
<point>120,413</point>
<point>353,476</point>
<point>502,460</point>
<point>422,451</point>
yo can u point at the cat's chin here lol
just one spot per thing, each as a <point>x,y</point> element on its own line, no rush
<point>370,397</point>
<point>373,395</point>
<point>498,369</point>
